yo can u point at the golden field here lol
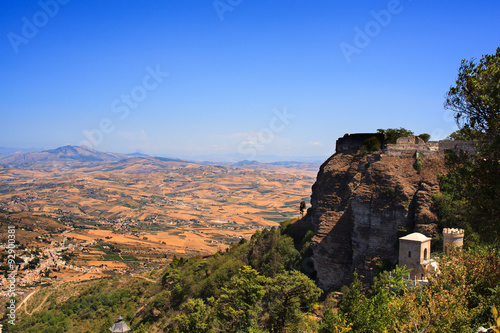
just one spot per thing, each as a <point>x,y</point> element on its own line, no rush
<point>148,208</point>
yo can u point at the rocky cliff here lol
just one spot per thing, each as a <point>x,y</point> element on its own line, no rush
<point>363,202</point>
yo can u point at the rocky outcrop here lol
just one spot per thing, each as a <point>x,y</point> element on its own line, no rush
<point>362,204</point>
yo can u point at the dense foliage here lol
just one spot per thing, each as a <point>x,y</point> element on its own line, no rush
<point>458,298</point>
<point>371,145</point>
<point>467,134</point>
<point>252,287</point>
<point>471,190</point>
<point>393,134</point>
<point>475,98</point>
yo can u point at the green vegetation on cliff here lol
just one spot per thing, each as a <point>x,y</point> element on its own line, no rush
<point>253,286</point>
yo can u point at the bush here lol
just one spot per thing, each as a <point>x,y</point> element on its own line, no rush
<point>418,165</point>
<point>370,145</point>
<point>424,136</point>
<point>392,134</point>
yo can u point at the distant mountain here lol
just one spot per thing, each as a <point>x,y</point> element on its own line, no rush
<point>275,165</point>
<point>246,163</point>
<point>236,157</point>
<point>4,151</point>
<point>168,159</point>
<point>62,154</point>
<point>137,154</point>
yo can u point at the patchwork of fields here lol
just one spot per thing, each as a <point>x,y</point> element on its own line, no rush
<point>147,210</point>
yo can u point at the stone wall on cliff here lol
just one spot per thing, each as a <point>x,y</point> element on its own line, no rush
<point>362,203</point>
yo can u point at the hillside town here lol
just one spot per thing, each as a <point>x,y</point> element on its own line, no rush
<point>33,266</point>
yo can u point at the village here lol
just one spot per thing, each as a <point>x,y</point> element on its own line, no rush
<point>34,266</point>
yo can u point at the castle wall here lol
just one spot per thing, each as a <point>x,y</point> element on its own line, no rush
<point>408,146</point>
<point>405,145</point>
<point>353,142</point>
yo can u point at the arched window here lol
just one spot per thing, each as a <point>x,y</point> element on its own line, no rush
<point>425,254</point>
<point>409,254</point>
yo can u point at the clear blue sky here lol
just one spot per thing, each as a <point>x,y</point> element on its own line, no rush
<point>86,66</point>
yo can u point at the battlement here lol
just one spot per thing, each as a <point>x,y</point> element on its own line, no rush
<point>453,233</point>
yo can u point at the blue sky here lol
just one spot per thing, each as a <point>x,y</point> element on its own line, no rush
<point>254,77</point>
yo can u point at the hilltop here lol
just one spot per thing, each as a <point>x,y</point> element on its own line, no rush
<point>362,202</point>
<point>66,154</point>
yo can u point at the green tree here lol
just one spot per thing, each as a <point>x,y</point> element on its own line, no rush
<point>290,294</point>
<point>302,207</point>
<point>392,134</point>
<point>425,136</point>
<point>475,180</point>
<point>370,145</point>
<point>475,98</point>
<point>240,303</point>
<point>334,323</point>
<point>196,316</point>
<point>466,134</point>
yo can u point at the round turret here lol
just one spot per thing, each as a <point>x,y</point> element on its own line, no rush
<point>453,237</point>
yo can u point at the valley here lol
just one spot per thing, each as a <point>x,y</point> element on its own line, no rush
<point>83,220</point>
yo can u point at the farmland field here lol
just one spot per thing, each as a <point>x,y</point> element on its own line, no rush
<point>145,210</point>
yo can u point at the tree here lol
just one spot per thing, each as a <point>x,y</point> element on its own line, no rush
<point>392,134</point>
<point>475,98</point>
<point>290,294</point>
<point>475,180</point>
<point>302,207</point>
<point>425,136</point>
<point>466,134</point>
<point>196,316</point>
<point>239,305</point>
<point>370,145</point>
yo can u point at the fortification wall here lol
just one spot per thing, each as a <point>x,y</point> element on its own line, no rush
<point>467,146</point>
<point>411,145</point>
<point>406,145</point>
<point>353,142</point>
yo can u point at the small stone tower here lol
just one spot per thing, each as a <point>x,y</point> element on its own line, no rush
<point>454,237</point>
<point>415,253</point>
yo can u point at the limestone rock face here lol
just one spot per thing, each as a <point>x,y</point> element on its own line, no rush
<point>360,203</point>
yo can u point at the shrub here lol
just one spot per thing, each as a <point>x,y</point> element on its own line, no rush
<point>424,136</point>
<point>418,165</point>
<point>370,145</point>
<point>392,134</point>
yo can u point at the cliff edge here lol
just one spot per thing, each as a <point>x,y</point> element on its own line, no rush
<point>361,204</point>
